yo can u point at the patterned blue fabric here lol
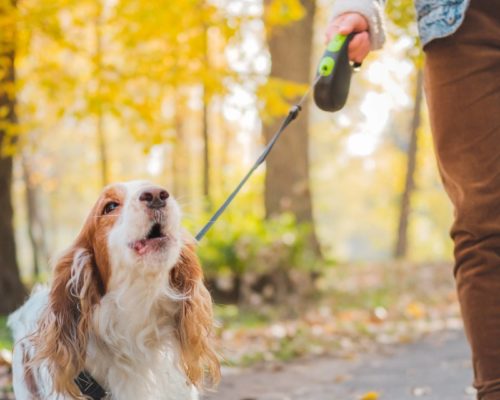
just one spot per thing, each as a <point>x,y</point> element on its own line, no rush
<point>439,18</point>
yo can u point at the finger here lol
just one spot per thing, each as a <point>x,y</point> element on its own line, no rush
<point>358,56</point>
<point>332,28</point>
<point>359,47</point>
<point>353,22</point>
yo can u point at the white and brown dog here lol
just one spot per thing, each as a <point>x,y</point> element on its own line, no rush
<point>127,304</point>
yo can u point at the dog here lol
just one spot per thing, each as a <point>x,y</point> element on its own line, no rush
<point>127,306</point>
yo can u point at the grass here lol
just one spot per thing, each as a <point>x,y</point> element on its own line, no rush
<point>5,337</point>
<point>231,316</point>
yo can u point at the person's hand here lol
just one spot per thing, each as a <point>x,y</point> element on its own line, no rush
<point>352,22</point>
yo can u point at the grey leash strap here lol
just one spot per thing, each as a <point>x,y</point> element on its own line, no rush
<point>292,114</point>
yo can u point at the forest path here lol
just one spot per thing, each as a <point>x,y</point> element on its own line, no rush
<point>437,367</point>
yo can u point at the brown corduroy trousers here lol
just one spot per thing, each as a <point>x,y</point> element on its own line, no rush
<point>462,84</point>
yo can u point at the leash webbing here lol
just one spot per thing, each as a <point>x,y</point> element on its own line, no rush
<point>292,114</point>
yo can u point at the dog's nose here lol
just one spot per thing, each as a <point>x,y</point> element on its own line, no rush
<point>155,198</point>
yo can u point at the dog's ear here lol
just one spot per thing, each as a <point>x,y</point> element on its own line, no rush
<point>194,320</point>
<point>61,336</point>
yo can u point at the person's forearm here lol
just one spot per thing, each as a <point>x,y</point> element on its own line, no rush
<point>372,10</point>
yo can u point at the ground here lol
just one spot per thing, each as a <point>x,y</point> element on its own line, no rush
<point>437,367</point>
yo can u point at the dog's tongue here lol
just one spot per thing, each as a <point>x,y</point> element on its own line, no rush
<point>140,246</point>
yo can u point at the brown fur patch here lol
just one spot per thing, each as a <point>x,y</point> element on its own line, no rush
<point>29,377</point>
<point>101,225</point>
<point>195,320</point>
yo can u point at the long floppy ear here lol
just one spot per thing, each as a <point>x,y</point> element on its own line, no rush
<point>61,336</point>
<point>194,320</point>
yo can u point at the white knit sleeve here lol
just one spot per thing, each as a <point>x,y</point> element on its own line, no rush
<point>372,10</point>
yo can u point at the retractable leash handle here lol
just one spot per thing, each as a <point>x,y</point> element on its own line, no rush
<point>334,74</point>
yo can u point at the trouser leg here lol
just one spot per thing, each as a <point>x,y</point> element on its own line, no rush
<point>463,93</point>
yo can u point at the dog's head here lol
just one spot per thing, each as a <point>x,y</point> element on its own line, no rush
<point>133,225</point>
<point>133,232</point>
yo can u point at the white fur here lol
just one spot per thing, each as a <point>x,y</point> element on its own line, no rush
<point>132,350</point>
<point>22,323</point>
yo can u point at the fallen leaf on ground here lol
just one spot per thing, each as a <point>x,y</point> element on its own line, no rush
<point>415,310</point>
<point>370,396</point>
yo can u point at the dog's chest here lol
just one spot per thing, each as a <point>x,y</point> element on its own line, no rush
<point>154,377</point>
<point>137,359</point>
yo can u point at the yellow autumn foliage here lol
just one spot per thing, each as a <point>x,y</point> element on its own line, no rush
<point>277,96</point>
<point>283,12</point>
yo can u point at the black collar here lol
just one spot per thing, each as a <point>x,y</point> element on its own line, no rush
<point>89,387</point>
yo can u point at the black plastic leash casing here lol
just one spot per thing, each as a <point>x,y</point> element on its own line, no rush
<point>333,76</point>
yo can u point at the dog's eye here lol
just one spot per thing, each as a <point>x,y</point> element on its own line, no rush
<point>110,207</point>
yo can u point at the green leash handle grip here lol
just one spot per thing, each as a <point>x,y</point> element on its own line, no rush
<point>333,75</point>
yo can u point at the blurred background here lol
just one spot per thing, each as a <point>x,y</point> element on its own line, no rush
<point>343,234</point>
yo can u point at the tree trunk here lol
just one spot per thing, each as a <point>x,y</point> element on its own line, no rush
<point>12,291</point>
<point>181,154</point>
<point>102,146</point>
<point>401,248</point>
<point>101,135</point>
<point>205,127</point>
<point>36,226</point>
<point>206,154</point>
<point>287,185</point>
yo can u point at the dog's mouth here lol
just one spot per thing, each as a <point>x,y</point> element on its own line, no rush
<point>155,232</point>
<point>154,240</point>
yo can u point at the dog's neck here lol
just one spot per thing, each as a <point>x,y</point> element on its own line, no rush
<point>138,311</point>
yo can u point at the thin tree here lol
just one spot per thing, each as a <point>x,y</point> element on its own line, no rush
<point>98,66</point>
<point>12,291</point>
<point>36,224</point>
<point>401,247</point>
<point>180,157</point>
<point>205,123</point>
